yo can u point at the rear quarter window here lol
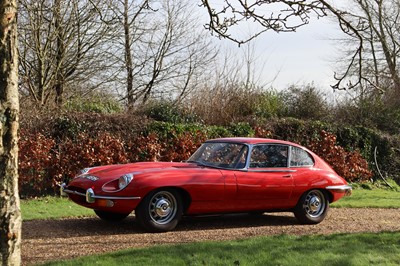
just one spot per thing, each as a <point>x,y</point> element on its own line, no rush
<point>300,157</point>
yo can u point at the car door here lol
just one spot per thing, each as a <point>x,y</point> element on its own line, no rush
<point>268,181</point>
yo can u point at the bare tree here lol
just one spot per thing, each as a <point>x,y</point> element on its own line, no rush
<point>164,52</point>
<point>61,44</point>
<point>281,16</point>
<point>10,216</point>
<point>378,23</point>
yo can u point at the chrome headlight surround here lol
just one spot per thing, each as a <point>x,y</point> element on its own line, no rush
<point>124,181</point>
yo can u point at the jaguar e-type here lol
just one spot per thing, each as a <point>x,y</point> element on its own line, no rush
<point>227,175</point>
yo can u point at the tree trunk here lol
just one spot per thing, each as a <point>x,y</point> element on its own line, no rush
<point>128,57</point>
<point>10,216</point>
<point>59,86</point>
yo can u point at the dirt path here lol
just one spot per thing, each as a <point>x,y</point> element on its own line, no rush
<point>68,238</point>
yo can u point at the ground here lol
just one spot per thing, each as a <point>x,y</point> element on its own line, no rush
<point>44,240</point>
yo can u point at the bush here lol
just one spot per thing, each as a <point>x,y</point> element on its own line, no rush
<point>349,165</point>
<point>167,111</point>
<point>36,158</point>
<point>51,150</point>
<point>305,103</point>
<point>96,103</point>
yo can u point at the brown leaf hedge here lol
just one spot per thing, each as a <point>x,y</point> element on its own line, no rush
<point>55,149</point>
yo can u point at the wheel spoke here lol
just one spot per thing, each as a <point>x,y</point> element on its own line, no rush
<point>162,207</point>
<point>314,203</point>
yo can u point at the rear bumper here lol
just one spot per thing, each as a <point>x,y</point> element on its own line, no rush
<point>346,189</point>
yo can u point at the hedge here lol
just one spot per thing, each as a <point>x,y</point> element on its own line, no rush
<point>54,149</point>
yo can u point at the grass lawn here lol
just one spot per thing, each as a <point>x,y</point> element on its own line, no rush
<point>52,208</point>
<point>340,249</point>
<point>370,198</point>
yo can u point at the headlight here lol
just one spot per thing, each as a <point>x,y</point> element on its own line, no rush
<point>124,180</point>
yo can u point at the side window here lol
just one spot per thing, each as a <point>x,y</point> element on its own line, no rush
<point>271,155</point>
<point>300,157</point>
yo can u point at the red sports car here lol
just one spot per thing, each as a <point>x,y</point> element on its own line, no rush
<point>227,175</point>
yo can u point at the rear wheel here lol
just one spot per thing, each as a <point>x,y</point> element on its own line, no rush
<point>111,216</point>
<point>160,211</point>
<point>312,207</point>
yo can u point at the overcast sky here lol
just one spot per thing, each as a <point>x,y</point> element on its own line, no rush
<point>302,57</point>
<point>305,56</point>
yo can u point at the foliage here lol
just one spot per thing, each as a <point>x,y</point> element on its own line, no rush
<point>305,102</point>
<point>54,149</point>
<point>102,104</point>
<point>36,157</point>
<point>241,130</point>
<point>168,111</point>
<point>84,151</point>
<point>349,165</point>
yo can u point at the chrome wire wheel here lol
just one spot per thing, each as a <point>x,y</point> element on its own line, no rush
<point>315,203</point>
<point>162,207</point>
<point>312,207</point>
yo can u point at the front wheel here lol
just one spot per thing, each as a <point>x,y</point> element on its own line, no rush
<point>312,207</point>
<point>160,211</point>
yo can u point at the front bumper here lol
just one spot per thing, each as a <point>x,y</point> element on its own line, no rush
<point>346,189</point>
<point>90,195</point>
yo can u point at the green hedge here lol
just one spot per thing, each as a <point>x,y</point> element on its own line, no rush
<point>54,148</point>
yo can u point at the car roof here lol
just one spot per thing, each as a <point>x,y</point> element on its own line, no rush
<point>252,141</point>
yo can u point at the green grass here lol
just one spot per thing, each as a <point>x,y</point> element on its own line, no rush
<point>339,249</point>
<point>52,208</point>
<point>370,198</point>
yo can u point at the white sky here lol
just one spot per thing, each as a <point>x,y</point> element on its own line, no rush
<point>302,57</point>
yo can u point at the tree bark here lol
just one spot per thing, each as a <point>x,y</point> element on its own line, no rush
<point>128,56</point>
<point>10,216</point>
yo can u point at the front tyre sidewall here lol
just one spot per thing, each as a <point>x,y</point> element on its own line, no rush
<point>312,207</point>
<point>160,211</point>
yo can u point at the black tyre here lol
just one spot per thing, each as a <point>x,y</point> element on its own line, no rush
<point>160,211</point>
<point>312,207</point>
<point>111,216</point>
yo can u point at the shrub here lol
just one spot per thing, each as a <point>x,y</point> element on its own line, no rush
<point>96,103</point>
<point>306,103</point>
<point>168,111</point>
<point>241,130</point>
<point>36,158</point>
<point>86,151</point>
<point>349,165</point>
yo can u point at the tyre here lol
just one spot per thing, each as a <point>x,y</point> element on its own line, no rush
<point>111,216</point>
<point>160,211</point>
<point>312,207</point>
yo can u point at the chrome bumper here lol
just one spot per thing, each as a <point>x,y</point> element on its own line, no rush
<point>342,188</point>
<point>91,197</point>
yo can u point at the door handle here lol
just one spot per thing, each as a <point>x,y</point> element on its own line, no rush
<point>287,176</point>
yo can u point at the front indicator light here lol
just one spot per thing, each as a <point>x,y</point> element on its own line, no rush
<point>105,203</point>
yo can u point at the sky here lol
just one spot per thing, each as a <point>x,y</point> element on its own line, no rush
<point>302,57</point>
<point>305,56</point>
